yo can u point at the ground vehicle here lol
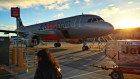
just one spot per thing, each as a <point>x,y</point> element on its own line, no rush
<point>126,55</point>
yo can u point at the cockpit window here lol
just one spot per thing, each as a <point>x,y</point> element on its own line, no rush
<point>89,20</point>
<point>94,19</point>
<point>100,19</point>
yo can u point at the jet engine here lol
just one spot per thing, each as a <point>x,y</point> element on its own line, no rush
<point>33,40</point>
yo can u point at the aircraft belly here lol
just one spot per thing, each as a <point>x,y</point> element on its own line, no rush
<point>76,32</point>
<point>83,32</point>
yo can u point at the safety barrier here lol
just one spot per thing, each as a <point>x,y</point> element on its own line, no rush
<point>13,55</point>
<point>26,57</point>
<point>20,63</point>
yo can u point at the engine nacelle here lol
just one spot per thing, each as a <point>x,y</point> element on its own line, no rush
<point>33,40</point>
<point>74,41</point>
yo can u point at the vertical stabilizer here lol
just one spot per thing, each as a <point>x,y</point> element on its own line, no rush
<point>20,24</point>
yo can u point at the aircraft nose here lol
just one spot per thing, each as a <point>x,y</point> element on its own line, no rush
<point>102,28</point>
<point>108,27</point>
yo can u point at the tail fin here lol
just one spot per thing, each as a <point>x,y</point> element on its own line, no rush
<point>20,24</point>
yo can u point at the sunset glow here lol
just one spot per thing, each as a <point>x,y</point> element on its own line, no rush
<point>127,23</point>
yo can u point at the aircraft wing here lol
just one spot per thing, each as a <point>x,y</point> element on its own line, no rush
<point>28,32</point>
<point>9,31</point>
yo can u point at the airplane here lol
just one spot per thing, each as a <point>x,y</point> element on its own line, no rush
<point>74,30</point>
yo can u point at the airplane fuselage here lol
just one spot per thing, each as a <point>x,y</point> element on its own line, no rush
<point>76,27</point>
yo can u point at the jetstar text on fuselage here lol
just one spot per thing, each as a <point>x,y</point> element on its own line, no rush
<point>65,24</point>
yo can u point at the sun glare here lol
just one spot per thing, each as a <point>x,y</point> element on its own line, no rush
<point>127,23</point>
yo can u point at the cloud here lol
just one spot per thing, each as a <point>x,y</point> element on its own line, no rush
<point>36,8</point>
<point>66,6</point>
<point>1,9</point>
<point>131,2</point>
<point>106,12</point>
<point>58,15</point>
<point>112,10</point>
<point>40,21</point>
<point>61,1</point>
<point>2,25</point>
<point>122,12</point>
<point>8,27</point>
<point>51,6</point>
<point>118,16</point>
<point>87,1</point>
<point>29,3</point>
<point>55,6</point>
<point>111,5</point>
<point>138,8</point>
<point>77,2</point>
<point>94,12</point>
<point>127,23</point>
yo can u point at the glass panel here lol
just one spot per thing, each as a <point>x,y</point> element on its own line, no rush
<point>100,19</point>
<point>94,19</point>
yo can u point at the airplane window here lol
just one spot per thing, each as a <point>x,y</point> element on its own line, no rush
<point>100,19</point>
<point>58,25</point>
<point>89,20</point>
<point>67,24</point>
<point>62,25</point>
<point>41,28</point>
<point>44,27</point>
<point>94,19</point>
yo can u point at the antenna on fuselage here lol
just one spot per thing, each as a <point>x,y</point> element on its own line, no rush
<point>82,13</point>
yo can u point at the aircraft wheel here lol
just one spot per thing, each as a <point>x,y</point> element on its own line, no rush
<point>85,48</point>
<point>57,45</point>
<point>116,75</point>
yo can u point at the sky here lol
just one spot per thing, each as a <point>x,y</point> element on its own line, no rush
<point>120,13</point>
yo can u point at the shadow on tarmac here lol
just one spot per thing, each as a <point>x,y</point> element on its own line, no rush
<point>57,50</point>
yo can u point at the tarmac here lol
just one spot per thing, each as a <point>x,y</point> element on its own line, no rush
<point>74,63</point>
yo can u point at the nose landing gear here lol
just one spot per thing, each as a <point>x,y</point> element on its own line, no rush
<point>85,47</point>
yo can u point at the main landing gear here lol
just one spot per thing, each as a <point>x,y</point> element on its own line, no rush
<point>116,75</point>
<point>57,44</point>
<point>85,47</point>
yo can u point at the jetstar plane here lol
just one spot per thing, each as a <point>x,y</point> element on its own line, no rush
<point>74,30</point>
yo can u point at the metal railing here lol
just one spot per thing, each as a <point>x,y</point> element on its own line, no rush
<point>100,43</point>
<point>30,54</point>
